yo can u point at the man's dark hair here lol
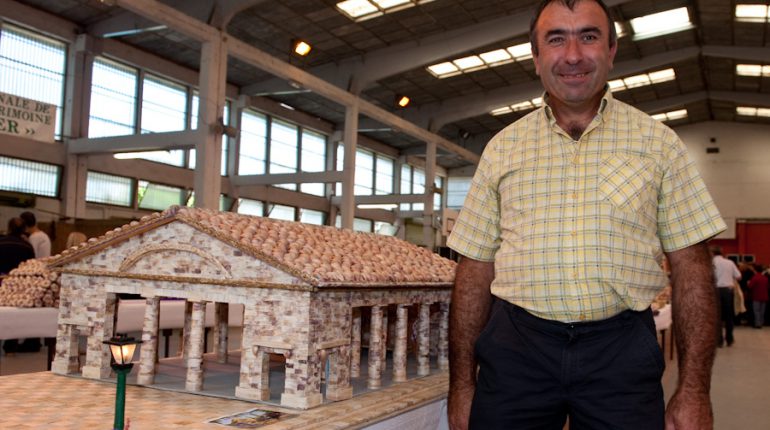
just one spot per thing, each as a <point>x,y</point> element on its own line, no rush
<point>716,250</point>
<point>570,4</point>
<point>16,227</point>
<point>29,219</point>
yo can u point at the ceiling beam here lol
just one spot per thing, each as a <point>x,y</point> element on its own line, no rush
<point>134,143</point>
<point>287,178</point>
<point>745,53</point>
<point>225,10</point>
<point>175,18</point>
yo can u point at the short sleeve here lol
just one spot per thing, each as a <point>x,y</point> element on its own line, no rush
<point>476,233</point>
<point>686,212</point>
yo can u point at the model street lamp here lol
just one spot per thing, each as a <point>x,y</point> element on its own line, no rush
<point>122,349</point>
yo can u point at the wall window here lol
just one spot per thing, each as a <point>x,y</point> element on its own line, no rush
<point>283,150</point>
<point>194,125</point>
<point>253,152</point>
<point>29,177</point>
<point>159,197</point>
<point>457,189</point>
<point>313,159</point>
<point>412,182</point>
<point>33,66</point>
<point>309,216</point>
<point>113,99</point>
<point>250,207</point>
<point>359,224</point>
<point>280,212</point>
<point>109,189</point>
<point>383,180</point>
<point>164,109</point>
<point>364,181</point>
<point>374,172</point>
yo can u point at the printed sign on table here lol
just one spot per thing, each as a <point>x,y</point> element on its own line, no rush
<point>23,117</point>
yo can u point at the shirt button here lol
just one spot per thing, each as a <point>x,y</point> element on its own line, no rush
<point>573,232</point>
<point>575,274</point>
<point>574,196</point>
<point>582,317</point>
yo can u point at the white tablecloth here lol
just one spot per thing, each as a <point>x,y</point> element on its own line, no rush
<point>20,323</point>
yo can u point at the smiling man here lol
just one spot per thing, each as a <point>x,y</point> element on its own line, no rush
<point>562,236</point>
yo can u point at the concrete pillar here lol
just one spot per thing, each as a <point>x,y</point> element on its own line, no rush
<point>194,362</point>
<point>221,316</point>
<point>430,175</point>
<point>355,344</point>
<point>350,142</point>
<point>443,337</point>
<point>208,145</point>
<point>399,348</point>
<point>149,348</point>
<point>375,349</point>
<point>423,340</point>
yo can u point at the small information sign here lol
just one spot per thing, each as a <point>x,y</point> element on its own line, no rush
<point>23,117</point>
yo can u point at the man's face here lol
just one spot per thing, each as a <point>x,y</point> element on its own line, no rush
<point>574,56</point>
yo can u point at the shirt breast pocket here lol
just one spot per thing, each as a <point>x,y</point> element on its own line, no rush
<point>626,181</point>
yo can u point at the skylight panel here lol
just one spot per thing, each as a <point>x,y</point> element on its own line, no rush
<point>658,24</point>
<point>517,107</point>
<point>670,116</point>
<point>360,10</point>
<point>752,70</point>
<point>522,51</point>
<point>443,70</point>
<point>469,63</point>
<point>644,79</point>
<point>753,111</point>
<point>496,57</point>
<point>752,12</point>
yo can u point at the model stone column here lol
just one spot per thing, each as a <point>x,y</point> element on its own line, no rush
<point>375,349</point>
<point>221,316</point>
<point>302,386</point>
<point>186,330</point>
<point>384,338</point>
<point>149,348</point>
<point>423,340</point>
<point>194,380</point>
<point>255,365</point>
<point>98,354</point>
<point>399,349</point>
<point>338,385</point>
<point>443,337</point>
<point>355,344</point>
<point>66,360</point>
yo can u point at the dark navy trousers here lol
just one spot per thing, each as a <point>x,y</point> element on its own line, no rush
<point>534,373</point>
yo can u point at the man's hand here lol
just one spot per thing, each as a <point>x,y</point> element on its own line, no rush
<point>689,411</point>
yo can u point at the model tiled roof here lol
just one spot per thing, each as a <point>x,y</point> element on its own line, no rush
<point>321,255</point>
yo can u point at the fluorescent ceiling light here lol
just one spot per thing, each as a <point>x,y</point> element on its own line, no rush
<point>444,69</point>
<point>522,51</point>
<point>360,10</point>
<point>467,63</point>
<point>644,79</point>
<point>752,12</point>
<point>518,107</point>
<point>752,70</point>
<point>136,155</point>
<point>658,24</point>
<point>498,56</point>
<point>670,116</point>
<point>386,206</point>
<point>752,111</point>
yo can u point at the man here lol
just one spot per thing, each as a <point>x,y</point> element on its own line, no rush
<point>37,238</point>
<point>562,233</point>
<point>726,275</point>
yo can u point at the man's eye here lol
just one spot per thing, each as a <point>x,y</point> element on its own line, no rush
<point>590,37</point>
<point>555,40</point>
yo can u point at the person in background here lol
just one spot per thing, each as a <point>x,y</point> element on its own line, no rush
<point>747,272</point>
<point>758,285</point>
<point>75,238</point>
<point>14,249</point>
<point>727,276</point>
<point>569,214</point>
<point>40,241</point>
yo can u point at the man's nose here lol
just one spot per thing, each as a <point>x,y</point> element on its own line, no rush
<point>573,52</point>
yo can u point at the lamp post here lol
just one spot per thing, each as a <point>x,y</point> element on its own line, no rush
<point>122,349</point>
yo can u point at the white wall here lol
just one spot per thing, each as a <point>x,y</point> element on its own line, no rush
<point>738,177</point>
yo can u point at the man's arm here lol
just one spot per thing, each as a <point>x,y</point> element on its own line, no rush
<point>695,327</point>
<point>469,312</point>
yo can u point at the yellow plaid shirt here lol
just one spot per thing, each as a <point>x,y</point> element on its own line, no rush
<point>577,229</point>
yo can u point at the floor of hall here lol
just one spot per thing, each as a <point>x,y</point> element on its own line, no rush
<point>740,381</point>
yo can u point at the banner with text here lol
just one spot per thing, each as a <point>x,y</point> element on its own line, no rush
<point>28,118</point>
